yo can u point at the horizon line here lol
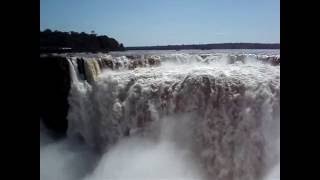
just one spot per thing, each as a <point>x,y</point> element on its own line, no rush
<point>204,44</point>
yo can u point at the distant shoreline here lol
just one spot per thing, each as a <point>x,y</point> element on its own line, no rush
<point>209,46</point>
<point>274,46</point>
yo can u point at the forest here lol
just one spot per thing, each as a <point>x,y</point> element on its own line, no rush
<point>209,46</point>
<point>58,41</point>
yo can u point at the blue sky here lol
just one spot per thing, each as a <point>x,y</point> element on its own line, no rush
<point>163,22</point>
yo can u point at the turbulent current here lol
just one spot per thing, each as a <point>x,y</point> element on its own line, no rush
<point>169,116</point>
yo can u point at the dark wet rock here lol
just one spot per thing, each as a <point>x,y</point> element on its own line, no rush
<point>108,63</point>
<point>275,61</point>
<point>153,61</point>
<point>54,89</point>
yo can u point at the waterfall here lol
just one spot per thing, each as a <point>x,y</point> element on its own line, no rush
<point>224,108</point>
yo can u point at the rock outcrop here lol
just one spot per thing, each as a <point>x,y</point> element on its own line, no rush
<point>54,90</point>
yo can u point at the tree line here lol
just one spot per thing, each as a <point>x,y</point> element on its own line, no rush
<point>58,41</point>
<point>210,46</point>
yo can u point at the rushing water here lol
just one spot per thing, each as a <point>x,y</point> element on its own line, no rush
<point>181,115</point>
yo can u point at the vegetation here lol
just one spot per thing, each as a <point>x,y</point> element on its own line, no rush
<point>209,46</point>
<point>57,41</point>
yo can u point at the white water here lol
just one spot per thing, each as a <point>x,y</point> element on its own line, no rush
<point>138,157</point>
<point>192,117</point>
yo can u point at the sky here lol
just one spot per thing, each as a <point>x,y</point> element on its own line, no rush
<point>164,22</point>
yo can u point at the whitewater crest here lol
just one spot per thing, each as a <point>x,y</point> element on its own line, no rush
<point>231,104</point>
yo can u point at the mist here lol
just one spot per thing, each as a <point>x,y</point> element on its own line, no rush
<point>159,155</point>
<point>64,159</point>
<point>164,151</point>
